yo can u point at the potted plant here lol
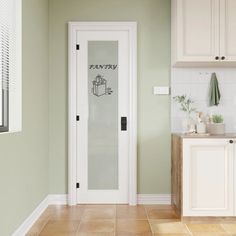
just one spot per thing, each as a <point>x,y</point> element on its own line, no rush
<point>186,105</point>
<point>217,125</point>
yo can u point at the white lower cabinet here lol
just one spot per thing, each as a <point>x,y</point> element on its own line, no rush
<point>203,176</point>
<point>208,177</point>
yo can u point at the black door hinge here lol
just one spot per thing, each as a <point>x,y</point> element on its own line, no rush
<point>77,46</point>
<point>77,118</point>
<point>123,123</point>
<point>77,185</point>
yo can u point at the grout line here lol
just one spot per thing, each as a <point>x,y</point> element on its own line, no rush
<point>48,219</point>
<point>225,229</point>
<point>190,233</point>
<point>77,231</point>
<point>148,219</point>
<point>115,207</point>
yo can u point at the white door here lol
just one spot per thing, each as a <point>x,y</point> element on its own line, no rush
<point>197,30</point>
<point>227,30</point>
<point>208,177</point>
<point>103,75</point>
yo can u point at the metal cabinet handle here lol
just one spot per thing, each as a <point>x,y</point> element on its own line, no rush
<point>231,141</point>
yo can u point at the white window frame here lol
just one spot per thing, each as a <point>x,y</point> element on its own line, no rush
<point>14,119</point>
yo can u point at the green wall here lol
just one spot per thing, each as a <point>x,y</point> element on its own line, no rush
<point>24,155</point>
<point>153,17</point>
<point>27,175</point>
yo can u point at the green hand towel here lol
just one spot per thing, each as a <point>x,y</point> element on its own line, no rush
<point>214,91</point>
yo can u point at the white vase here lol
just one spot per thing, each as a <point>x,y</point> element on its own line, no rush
<point>201,128</point>
<point>188,125</point>
<point>184,125</point>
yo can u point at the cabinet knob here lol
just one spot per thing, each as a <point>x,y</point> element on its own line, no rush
<point>222,58</point>
<point>217,58</point>
<point>231,141</point>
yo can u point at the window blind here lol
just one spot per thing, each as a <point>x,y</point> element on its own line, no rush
<point>8,61</point>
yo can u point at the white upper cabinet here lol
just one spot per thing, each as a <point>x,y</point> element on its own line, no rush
<point>203,32</point>
<point>228,30</point>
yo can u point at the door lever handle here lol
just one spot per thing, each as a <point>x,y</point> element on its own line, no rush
<point>123,123</point>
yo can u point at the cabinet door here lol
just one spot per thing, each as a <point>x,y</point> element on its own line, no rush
<point>208,177</point>
<point>197,30</point>
<point>228,30</point>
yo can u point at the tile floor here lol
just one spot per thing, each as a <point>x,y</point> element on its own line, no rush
<point>120,220</point>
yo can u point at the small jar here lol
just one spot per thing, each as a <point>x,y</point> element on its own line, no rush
<point>201,128</point>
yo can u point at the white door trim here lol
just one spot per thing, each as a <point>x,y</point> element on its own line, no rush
<point>131,27</point>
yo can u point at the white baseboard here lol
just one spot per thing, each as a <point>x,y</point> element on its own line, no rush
<point>28,223</point>
<point>62,199</point>
<point>52,199</point>
<point>57,199</point>
<point>154,199</point>
<point>143,199</point>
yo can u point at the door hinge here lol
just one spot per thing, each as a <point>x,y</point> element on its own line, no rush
<point>123,123</point>
<point>77,46</point>
<point>77,185</point>
<point>77,118</point>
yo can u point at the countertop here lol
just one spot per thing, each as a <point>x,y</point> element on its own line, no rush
<point>226,135</point>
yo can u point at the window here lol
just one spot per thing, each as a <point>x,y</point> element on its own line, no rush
<point>10,65</point>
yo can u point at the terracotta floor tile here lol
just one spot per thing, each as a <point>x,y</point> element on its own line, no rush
<point>64,207</point>
<point>165,220</point>
<point>121,220</point>
<point>210,234</point>
<point>99,206</point>
<point>154,213</point>
<point>230,228</point>
<point>136,227</point>
<point>94,234</point>
<point>38,226</point>
<point>58,234</point>
<point>67,213</point>
<point>57,207</point>
<point>99,212</point>
<point>60,227</point>
<point>205,228</point>
<point>133,234</point>
<point>158,207</point>
<point>97,226</point>
<point>131,212</point>
<point>46,214</point>
<point>168,227</point>
<point>171,234</point>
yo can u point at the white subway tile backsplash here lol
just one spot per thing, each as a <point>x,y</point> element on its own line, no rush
<point>228,91</point>
<point>176,124</point>
<point>195,82</point>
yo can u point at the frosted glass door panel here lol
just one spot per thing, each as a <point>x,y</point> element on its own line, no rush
<point>103,115</point>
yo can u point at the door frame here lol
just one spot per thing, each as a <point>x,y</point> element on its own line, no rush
<point>131,28</point>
